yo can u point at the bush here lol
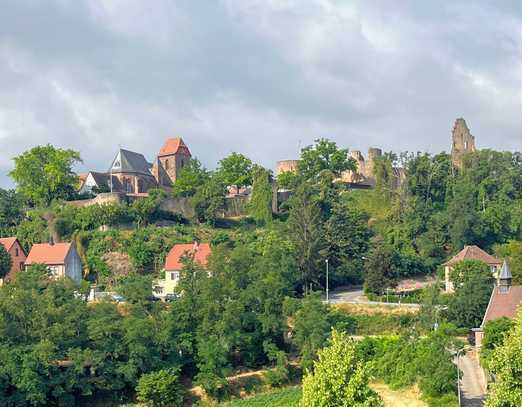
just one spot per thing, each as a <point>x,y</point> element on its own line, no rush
<point>161,388</point>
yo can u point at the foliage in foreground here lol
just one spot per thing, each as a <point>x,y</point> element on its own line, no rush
<point>161,388</point>
<point>339,378</point>
<point>506,365</point>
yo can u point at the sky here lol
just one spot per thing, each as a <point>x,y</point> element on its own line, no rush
<point>260,77</point>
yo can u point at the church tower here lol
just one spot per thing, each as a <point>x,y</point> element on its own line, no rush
<point>173,156</point>
<point>462,142</point>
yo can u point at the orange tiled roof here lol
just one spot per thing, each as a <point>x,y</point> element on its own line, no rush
<point>7,242</point>
<point>174,146</point>
<point>474,253</point>
<point>198,252</point>
<point>46,253</point>
<point>503,304</point>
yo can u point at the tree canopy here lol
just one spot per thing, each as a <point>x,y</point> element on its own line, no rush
<point>45,173</point>
<point>236,169</point>
<point>324,155</point>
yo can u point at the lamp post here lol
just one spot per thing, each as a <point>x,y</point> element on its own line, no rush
<point>458,373</point>
<point>327,298</point>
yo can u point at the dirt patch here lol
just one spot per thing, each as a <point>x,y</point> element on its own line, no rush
<point>409,397</point>
<point>373,309</point>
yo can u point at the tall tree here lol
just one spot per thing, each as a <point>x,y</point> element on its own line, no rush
<point>5,262</point>
<point>260,206</point>
<point>11,211</point>
<point>236,169</point>
<point>306,235</point>
<point>506,365</point>
<point>190,178</point>
<point>339,378</point>
<point>209,200</point>
<point>45,173</point>
<point>473,283</point>
<point>381,268</point>
<point>324,155</point>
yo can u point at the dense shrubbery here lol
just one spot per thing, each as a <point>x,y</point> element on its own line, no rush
<point>407,360</point>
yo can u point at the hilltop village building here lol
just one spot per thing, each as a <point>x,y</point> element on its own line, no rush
<point>470,253</point>
<point>131,173</point>
<point>18,256</point>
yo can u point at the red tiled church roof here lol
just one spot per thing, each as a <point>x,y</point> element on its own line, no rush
<point>7,242</point>
<point>50,254</point>
<point>474,253</point>
<point>174,146</point>
<point>503,304</point>
<point>198,252</point>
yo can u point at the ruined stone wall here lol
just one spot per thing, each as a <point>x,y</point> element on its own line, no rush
<point>462,142</point>
<point>286,165</point>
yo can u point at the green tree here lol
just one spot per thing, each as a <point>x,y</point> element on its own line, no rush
<point>11,211</point>
<point>512,252</point>
<point>506,365</point>
<point>45,173</point>
<point>236,169</point>
<point>348,237</point>
<point>160,389</point>
<point>311,328</point>
<point>324,155</point>
<point>146,209</point>
<point>473,283</point>
<point>306,235</point>
<point>190,178</point>
<point>260,205</point>
<point>339,378</point>
<point>209,200</point>
<point>495,332</point>
<point>5,262</point>
<point>380,268</point>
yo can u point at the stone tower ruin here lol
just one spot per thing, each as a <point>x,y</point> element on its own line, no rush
<point>462,142</point>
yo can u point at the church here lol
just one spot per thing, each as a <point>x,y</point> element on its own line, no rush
<point>132,174</point>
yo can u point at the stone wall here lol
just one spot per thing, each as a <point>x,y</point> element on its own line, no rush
<point>102,199</point>
<point>182,206</point>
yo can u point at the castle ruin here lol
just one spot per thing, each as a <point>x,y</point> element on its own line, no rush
<point>462,142</point>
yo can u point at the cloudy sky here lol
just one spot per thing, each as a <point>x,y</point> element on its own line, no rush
<point>261,77</point>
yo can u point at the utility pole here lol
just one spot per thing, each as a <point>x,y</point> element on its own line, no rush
<point>327,289</point>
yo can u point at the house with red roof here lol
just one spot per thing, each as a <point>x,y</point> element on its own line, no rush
<point>197,252</point>
<point>18,256</point>
<point>61,259</point>
<point>470,253</point>
<point>504,302</point>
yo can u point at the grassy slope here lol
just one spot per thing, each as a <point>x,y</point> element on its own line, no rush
<point>287,397</point>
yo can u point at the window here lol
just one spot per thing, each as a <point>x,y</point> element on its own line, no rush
<point>17,253</point>
<point>21,265</point>
<point>117,164</point>
<point>174,275</point>
<point>166,164</point>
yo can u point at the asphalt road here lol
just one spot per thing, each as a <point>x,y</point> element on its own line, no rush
<point>355,295</point>
<point>472,381</point>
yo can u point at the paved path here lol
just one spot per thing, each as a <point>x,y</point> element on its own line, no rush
<point>472,381</point>
<point>355,295</point>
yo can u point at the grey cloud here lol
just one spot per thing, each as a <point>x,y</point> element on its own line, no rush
<point>260,77</point>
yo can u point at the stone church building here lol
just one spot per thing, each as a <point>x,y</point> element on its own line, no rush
<point>131,173</point>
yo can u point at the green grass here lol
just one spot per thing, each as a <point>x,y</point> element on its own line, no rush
<point>287,397</point>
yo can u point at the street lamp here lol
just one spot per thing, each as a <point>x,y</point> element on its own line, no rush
<point>327,299</point>
<point>458,372</point>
